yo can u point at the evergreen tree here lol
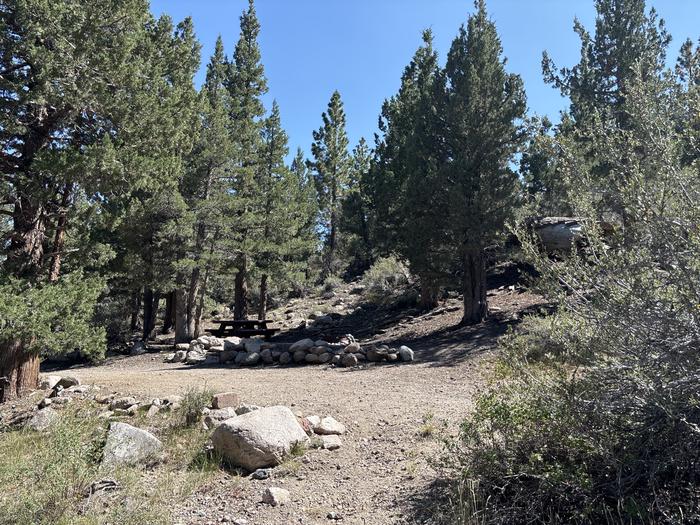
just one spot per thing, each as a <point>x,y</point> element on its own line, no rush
<point>404,185</point>
<point>246,85</point>
<point>331,168</point>
<point>272,197</point>
<point>355,211</point>
<point>205,189</point>
<point>628,43</point>
<point>68,137</point>
<point>484,107</point>
<point>625,37</point>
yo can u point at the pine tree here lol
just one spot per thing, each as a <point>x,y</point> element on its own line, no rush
<point>625,36</point>
<point>628,43</point>
<point>246,84</point>
<point>79,128</point>
<point>205,189</point>
<point>271,203</point>
<point>355,211</point>
<point>331,168</point>
<point>405,188</point>
<point>484,106</point>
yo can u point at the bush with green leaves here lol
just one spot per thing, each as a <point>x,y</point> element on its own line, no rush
<point>53,318</point>
<point>598,419</point>
<point>193,402</point>
<point>385,278</point>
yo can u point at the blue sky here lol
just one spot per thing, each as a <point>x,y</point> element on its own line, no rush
<point>360,47</point>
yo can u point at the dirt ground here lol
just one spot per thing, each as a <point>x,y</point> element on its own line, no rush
<point>386,459</point>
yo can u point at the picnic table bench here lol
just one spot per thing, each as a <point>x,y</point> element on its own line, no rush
<point>243,328</point>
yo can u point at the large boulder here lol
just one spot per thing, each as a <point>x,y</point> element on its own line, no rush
<point>127,445</point>
<point>259,439</point>
<point>302,346</point>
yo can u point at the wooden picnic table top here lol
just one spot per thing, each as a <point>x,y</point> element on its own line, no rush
<point>243,322</point>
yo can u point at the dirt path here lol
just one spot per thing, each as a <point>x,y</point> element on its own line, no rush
<point>384,459</point>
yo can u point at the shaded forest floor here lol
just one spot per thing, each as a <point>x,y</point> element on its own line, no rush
<point>395,414</point>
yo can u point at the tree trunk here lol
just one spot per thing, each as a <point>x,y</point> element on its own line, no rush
<point>428,294</point>
<point>135,310</point>
<point>332,244</point>
<point>191,300</point>
<point>240,305</point>
<point>262,310</point>
<point>19,371</point>
<point>60,235</point>
<point>169,316</point>
<point>182,333</point>
<point>199,310</point>
<point>150,312</point>
<point>474,287</point>
<point>26,249</point>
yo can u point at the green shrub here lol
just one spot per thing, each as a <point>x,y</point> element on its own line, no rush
<point>331,283</point>
<point>193,402</point>
<point>385,279</point>
<point>597,419</point>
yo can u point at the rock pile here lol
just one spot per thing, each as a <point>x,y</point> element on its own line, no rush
<point>251,352</point>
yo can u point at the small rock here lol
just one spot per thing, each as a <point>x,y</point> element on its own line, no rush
<point>214,418</point>
<point>251,359</point>
<point>406,354</point>
<point>325,358</point>
<point>349,360</point>
<point>67,382</point>
<point>225,399</point>
<point>303,345</point>
<point>329,426</point>
<point>311,359</point>
<point>353,348</point>
<point>266,356</point>
<point>122,402</point>
<point>299,356</point>
<point>331,442</point>
<point>43,420</point>
<point>45,402</point>
<point>139,348</point>
<point>261,473</point>
<point>105,415</point>
<point>285,358</point>
<point>153,411</point>
<point>246,409</point>
<point>128,445</point>
<point>276,496</point>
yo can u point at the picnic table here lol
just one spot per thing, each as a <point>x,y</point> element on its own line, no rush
<point>244,328</point>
